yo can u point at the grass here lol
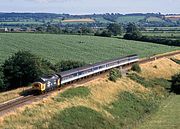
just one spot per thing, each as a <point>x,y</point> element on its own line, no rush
<point>103,93</point>
<point>75,92</point>
<point>79,118</point>
<point>5,96</point>
<point>129,108</point>
<point>64,47</point>
<point>167,116</point>
<point>150,82</point>
<point>162,68</point>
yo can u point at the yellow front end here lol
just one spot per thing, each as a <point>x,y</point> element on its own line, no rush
<point>38,86</point>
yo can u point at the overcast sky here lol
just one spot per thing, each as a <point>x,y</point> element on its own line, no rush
<point>91,6</point>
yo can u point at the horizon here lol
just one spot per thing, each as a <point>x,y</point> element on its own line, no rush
<point>96,13</point>
<point>82,7</point>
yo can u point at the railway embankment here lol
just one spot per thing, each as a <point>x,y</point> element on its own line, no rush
<point>100,103</point>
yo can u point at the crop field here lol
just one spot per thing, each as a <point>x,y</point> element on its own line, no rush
<point>89,49</point>
<point>78,20</point>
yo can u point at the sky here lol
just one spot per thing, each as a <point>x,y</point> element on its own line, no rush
<point>91,6</point>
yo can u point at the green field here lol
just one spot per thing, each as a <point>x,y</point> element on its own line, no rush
<point>102,20</point>
<point>154,19</point>
<point>164,34</point>
<point>167,117</point>
<point>127,19</point>
<point>89,49</point>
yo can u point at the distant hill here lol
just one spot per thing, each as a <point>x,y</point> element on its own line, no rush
<point>147,20</point>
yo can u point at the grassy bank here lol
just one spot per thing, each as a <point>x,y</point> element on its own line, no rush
<point>167,116</point>
<point>99,103</point>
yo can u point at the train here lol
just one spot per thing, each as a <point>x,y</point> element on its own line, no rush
<point>51,82</point>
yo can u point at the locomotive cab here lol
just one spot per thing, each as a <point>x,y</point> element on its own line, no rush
<point>46,83</point>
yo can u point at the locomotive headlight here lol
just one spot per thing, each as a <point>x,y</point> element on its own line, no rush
<point>37,86</point>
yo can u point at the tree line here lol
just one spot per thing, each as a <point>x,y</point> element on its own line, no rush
<point>133,33</point>
<point>24,68</point>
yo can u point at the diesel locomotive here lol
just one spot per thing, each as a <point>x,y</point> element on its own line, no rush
<point>48,83</point>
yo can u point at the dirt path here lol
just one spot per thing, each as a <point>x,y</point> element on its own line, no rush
<point>167,117</point>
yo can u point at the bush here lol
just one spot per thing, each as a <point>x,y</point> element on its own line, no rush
<point>135,67</point>
<point>1,80</point>
<point>23,68</point>
<point>104,33</point>
<point>114,74</point>
<point>67,65</point>
<point>150,83</point>
<point>176,83</point>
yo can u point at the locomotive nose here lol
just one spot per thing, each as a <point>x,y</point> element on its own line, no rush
<point>36,86</point>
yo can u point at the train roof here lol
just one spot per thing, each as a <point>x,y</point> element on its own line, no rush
<point>65,73</point>
<point>46,78</point>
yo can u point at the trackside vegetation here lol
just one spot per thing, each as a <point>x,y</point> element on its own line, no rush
<point>150,82</point>
<point>1,79</point>
<point>135,67</point>
<point>114,74</point>
<point>176,83</point>
<point>175,60</point>
<point>75,92</point>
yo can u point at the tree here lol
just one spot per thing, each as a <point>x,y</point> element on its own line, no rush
<point>176,83</point>
<point>132,32</point>
<point>104,33</point>
<point>115,29</point>
<point>67,65</point>
<point>131,27</point>
<point>53,29</point>
<point>23,68</point>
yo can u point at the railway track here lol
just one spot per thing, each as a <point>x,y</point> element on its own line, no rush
<point>19,102</point>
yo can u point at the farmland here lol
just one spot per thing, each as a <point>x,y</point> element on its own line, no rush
<point>89,49</point>
<point>78,20</point>
<point>164,34</point>
<point>127,19</point>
